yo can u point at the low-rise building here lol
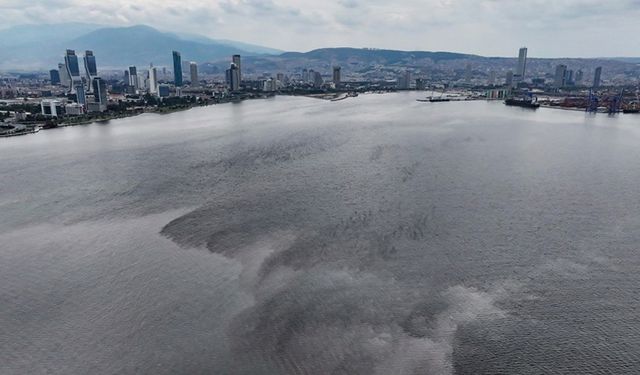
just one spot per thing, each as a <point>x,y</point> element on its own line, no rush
<point>74,109</point>
<point>52,108</point>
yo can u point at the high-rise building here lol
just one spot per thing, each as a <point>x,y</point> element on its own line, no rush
<point>133,78</point>
<point>143,82</point>
<point>579,77</point>
<point>233,77</point>
<point>597,77</point>
<point>193,69</point>
<point>236,59</point>
<point>90,68</point>
<point>65,80</point>
<point>560,76</point>
<point>468,73</point>
<point>54,75</point>
<point>73,69</point>
<point>153,80</point>
<point>305,75</point>
<point>521,69</point>
<point>312,75</point>
<point>270,85</point>
<point>404,81</point>
<point>100,94</point>
<point>420,84</point>
<point>492,78</point>
<point>177,68</point>
<point>337,79</point>
<point>81,96</point>
<point>568,78</point>
<point>317,79</point>
<point>509,78</point>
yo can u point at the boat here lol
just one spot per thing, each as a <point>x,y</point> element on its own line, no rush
<point>631,110</point>
<point>433,99</point>
<point>523,102</point>
<point>439,100</point>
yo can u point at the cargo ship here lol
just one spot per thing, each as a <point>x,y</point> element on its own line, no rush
<point>523,102</point>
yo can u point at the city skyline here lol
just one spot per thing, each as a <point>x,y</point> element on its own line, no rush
<point>575,28</point>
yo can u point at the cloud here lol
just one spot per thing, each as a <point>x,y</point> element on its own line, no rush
<point>489,27</point>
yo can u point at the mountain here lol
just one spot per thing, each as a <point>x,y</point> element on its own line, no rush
<point>371,54</point>
<point>32,47</point>
<point>375,64</point>
<point>251,48</point>
<point>140,45</point>
<point>40,35</point>
<point>633,60</point>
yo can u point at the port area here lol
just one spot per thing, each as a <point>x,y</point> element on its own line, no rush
<point>612,100</point>
<point>453,95</point>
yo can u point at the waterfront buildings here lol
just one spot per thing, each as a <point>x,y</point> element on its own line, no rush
<point>74,109</point>
<point>521,69</point>
<point>134,83</point>
<point>233,77</point>
<point>597,77</point>
<point>317,80</point>
<point>560,76</point>
<point>337,75</point>
<point>177,68</point>
<point>193,70</point>
<point>163,91</point>
<point>100,96</point>
<point>153,80</point>
<point>81,94</point>
<point>236,59</point>
<point>404,81</point>
<point>509,78</point>
<point>579,77</point>
<point>51,107</point>
<point>492,78</point>
<point>270,85</point>
<point>73,69</point>
<point>568,78</point>
<point>90,68</point>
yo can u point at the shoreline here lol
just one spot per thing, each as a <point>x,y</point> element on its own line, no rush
<point>332,97</point>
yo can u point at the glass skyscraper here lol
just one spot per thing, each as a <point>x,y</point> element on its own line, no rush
<point>54,74</point>
<point>73,69</point>
<point>90,68</point>
<point>177,68</point>
<point>100,91</point>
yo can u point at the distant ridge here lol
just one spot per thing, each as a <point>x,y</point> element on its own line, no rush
<point>42,46</point>
<point>392,56</point>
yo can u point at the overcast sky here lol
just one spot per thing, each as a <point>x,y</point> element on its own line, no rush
<point>550,28</point>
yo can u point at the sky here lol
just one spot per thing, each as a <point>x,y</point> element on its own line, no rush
<point>549,28</point>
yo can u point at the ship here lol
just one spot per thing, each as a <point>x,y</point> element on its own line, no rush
<point>439,100</point>
<point>523,102</point>
<point>434,100</point>
<point>631,110</point>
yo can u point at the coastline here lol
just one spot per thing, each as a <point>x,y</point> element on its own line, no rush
<point>330,96</point>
